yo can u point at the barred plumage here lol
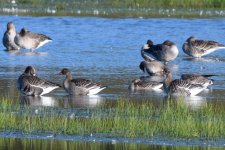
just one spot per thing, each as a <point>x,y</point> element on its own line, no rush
<point>30,40</point>
<point>80,86</point>
<point>29,84</point>
<point>198,79</point>
<point>198,48</point>
<point>141,84</point>
<point>181,87</point>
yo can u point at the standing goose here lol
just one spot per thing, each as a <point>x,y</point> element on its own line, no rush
<point>30,40</point>
<point>141,84</point>
<point>79,86</point>
<point>198,79</point>
<point>29,84</point>
<point>198,48</point>
<point>181,87</point>
<point>8,38</point>
<point>150,65</point>
<point>165,52</point>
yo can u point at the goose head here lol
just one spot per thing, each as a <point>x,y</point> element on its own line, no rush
<point>10,26</point>
<point>65,71</point>
<point>30,71</point>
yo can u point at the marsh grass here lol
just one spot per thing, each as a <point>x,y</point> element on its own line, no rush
<point>125,119</point>
<point>116,8</point>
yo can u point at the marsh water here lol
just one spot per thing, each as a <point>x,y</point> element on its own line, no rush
<point>107,50</point>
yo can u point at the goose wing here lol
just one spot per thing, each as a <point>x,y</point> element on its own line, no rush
<point>185,87</point>
<point>37,36</point>
<point>32,85</point>
<point>204,46</point>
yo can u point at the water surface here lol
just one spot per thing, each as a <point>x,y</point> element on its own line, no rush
<point>107,50</point>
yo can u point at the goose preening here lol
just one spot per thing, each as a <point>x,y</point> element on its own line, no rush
<point>29,84</point>
<point>79,86</point>
<point>30,40</point>
<point>181,87</point>
<point>165,52</point>
<point>9,36</point>
<point>142,84</point>
<point>198,79</point>
<point>150,65</point>
<point>198,48</point>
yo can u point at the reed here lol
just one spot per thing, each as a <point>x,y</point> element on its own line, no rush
<point>126,119</point>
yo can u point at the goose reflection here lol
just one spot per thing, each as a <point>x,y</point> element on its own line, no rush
<point>25,53</point>
<point>195,102</point>
<point>84,101</point>
<point>201,59</point>
<point>38,101</point>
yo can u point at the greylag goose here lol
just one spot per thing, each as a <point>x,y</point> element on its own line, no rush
<point>141,84</point>
<point>8,38</point>
<point>198,79</point>
<point>198,48</point>
<point>29,84</point>
<point>30,40</point>
<point>150,65</point>
<point>181,87</point>
<point>79,86</point>
<point>165,52</point>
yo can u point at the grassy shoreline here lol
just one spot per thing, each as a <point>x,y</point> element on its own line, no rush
<point>124,120</point>
<point>115,8</point>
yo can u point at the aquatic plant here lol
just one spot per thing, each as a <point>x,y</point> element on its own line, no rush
<point>125,119</point>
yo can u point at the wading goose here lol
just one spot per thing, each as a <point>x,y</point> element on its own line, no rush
<point>79,86</point>
<point>181,87</point>
<point>198,79</point>
<point>141,84</point>
<point>165,52</point>
<point>151,66</point>
<point>29,84</point>
<point>8,38</point>
<point>30,40</point>
<point>198,48</point>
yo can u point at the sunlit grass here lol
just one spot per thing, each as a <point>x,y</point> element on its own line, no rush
<point>126,119</point>
<point>116,8</point>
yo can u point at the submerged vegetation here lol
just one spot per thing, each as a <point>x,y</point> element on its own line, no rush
<point>125,119</point>
<point>116,8</point>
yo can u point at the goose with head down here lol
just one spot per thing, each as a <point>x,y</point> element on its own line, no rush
<point>150,66</point>
<point>165,52</point>
<point>30,40</point>
<point>198,48</point>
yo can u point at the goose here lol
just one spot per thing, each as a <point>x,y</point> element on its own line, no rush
<point>198,79</point>
<point>29,84</point>
<point>141,84</point>
<point>30,40</point>
<point>181,87</point>
<point>198,48</point>
<point>8,38</point>
<point>150,65</point>
<point>79,86</point>
<point>165,52</point>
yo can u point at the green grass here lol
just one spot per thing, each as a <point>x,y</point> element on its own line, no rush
<point>126,119</point>
<point>118,8</point>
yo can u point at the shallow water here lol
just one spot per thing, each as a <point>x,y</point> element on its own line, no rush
<point>108,51</point>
